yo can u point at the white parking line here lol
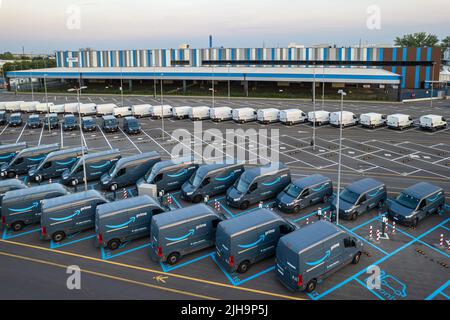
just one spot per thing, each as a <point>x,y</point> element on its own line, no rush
<point>40,136</point>
<point>104,136</point>
<point>130,140</point>
<point>165,150</point>
<point>4,129</point>
<point>62,138</point>
<point>21,132</point>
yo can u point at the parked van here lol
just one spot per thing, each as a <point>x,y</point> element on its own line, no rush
<point>360,197</point>
<point>13,106</point>
<point>219,114</point>
<point>292,116</point>
<point>44,107</point>
<point>170,175</point>
<point>29,106</point>
<point>131,125</point>
<point>124,220</point>
<point>69,214</point>
<point>10,185</point>
<point>142,110</point>
<point>26,159</point>
<point>399,121</point>
<point>243,115</point>
<point>88,124</point>
<point>88,109</point>
<point>97,164</point>
<point>199,113</point>
<point>348,119</point>
<point>128,170</point>
<point>314,252</point>
<point>305,192</point>
<point>2,117</point>
<point>247,239</point>
<point>319,117</point>
<point>181,112</point>
<point>69,122</point>
<point>121,112</point>
<point>372,120</point>
<point>210,180</point>
<point>110,124</point>
<point>23,207</point>
<point>417,202</point>
<point>159,112</point>
<point>269,115</point>
<point>34,121</point>
<point>51,120</point>
<point>71,107</point>
<point>57,108</point>
<point>106,109</point>
<point>177,233</point>
<point>2,105</point>
<point>15,120</point>
<point>432,122</point>
<point>258,184</point>
<point>8,151</point>
<point>55,163</point>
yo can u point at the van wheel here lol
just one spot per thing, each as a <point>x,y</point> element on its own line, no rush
<point>243,267</point>
<point>58,236</point>
<point>197,199</point>
<point>11,174</point>
<point>113,187</point>
<point>325,199</point>
<point>354,216</point>
<point>356,258</point>
<point>244,205</point>
<point>297,209</point>
<point>113,244</point>
<point>415,223</point>
<point>17,226</point>
<point>380,205</point>
<point>311,286</point>
<point>74,182</point>
<point>173,258</point>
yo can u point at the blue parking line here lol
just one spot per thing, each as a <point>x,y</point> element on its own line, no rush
<point>439,291</point>
<point>5,235</point>
<point>381,260</point>
<point>309,215</point>
<point>226,209</point>
<point>255,275</point>
<point>253,209</point>
<point>365,240</point>
<point>371,290</point>
<point>106,254</point>
<point>177,203</point>
<point>168,268</point>
<point>444,227</point>
<point>54,245</point>
<point>222,269</point>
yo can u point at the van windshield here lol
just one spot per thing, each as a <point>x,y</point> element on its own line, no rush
<point>242,185</point>
<point>110,122</point>
<point>349,196</point>
<point>75,166</point>
<point>150,175</point>
<point>69,120</point>
<point>196,179</point>
<point>407,201</point>
<point>293,190</point>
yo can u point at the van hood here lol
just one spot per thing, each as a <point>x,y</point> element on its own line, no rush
<point>66,174</point>
<point>187,188</point>
<point>285,199</point>
<point>343,205</point>
<point>105,179</point>
<point>32,172</point>
<point>234,194</point>
<point>397,209</point>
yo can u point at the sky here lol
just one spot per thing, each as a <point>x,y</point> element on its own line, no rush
<point>42,26</point>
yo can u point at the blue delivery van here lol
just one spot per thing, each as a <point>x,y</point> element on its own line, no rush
<point>258,184</point>
<point>69,214</point>
<point>177,233</point>
<point>124,220</point>
<point>10,185</point>
<point>8,151</point>
<point>247,239</point>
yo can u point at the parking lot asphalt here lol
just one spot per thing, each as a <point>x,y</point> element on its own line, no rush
<point>415,265</point>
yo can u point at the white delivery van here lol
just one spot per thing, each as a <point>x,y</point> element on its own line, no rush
<point>57,108</point>
<point>71,107</point>
<point>44,107</point>
<point>121,112</point>
<point>243,115</point>
<point>372,120</point>
<point>319,117</point>
<point>432,122</point>
<point>162,111</point>
<point>141,110</point>
<point>88,109</point>
<point>29,106</point>
<point>199,113</point>
<point>221,114</point>
<point>13,106</point>
<point>292,116</point>
<point>106,109</point>
<point>348,119</point>
<point>269,115</point>
<point>399,121</point>
<point>2,105</point>
<point>181,112</point>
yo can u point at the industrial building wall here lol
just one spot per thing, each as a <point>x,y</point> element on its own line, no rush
<point>415,65</point>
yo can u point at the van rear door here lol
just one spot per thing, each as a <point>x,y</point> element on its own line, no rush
<point>269,239</point>
<point>287,266</point>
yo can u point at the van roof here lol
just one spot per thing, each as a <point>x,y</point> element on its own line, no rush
<point>87,118</point>
<point>109,117</point>
<point>57,153</point>
<point>72,198</point>
<point>309,236</point>
<point>151,155</point>
<point>175,217</point>
<point>171,163</point>
<point>421,190</point>
<point>431,116</point>
<point>310,180</point>
<point>244,109</point>
<point>51,115</point>
<point>34,116</point>
<point>130,118</point>
<point>22,145</point>
<point>101,154</point>
<point>12,183</point>
<point>248,221</point>
<point>40,148</point>
<point>34,190</point>
<point>364,185</point>
<point>206,168</point>
<point>253,173</point>
<point>113,208</point>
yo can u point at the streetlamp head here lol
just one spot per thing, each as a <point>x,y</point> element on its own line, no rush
<point>342,92</point>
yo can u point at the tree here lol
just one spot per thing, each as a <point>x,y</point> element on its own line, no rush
<point>419,39</point>
<point>445,43</point>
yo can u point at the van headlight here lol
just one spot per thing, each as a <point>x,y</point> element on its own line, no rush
<point>348,211</point>
<point>290,204</point>
<point>190,193</point>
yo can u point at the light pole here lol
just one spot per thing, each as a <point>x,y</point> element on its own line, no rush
<point>162,107</point>
<point>154,83</point>
<point>323,86</point>
<point>46,102</point>
<point>432,86</point>
<point>212,87</point>
<point>229,91</point>
<point>313,141</point>
<point>342,93</point>
<point>78,91</point>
